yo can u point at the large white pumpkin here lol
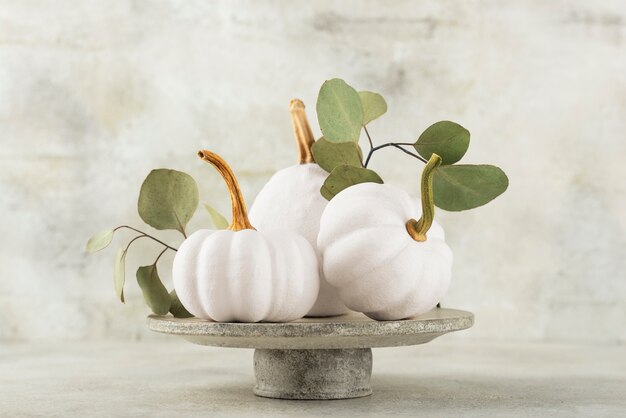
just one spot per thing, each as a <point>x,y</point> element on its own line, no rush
<point>370,255</point>
<point>291,200</point>
<point>242,274</point>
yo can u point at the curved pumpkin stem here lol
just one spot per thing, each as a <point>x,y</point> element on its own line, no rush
<point>418,229</point>
<point>302,130</point>
<point>240,215</point>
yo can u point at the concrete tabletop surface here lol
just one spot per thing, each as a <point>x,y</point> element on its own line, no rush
<point>449,377</point>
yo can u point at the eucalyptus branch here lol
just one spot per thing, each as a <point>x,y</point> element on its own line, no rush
<point>167,247</point>
<point>133,240</point>
<point>397,145</point>
<point>144,234</point>
<point>159,256</point>
<point>369,138</point>
<point>180,226</point>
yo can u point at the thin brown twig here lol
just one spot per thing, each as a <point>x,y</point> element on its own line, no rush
<point>146,235</point>
<point>395,145</point>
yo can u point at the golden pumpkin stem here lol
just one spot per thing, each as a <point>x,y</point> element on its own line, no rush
<point>302,130</point>
<point>240,215</point>
<point>418,229</point>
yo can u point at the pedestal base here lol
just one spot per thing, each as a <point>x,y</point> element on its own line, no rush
<point>315,358</point>
<point>313,374</point>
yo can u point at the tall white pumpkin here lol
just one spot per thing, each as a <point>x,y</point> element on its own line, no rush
<point>291,200</point>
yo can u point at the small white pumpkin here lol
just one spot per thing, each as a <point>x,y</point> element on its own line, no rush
<point>245,275</point>
<point>378,256</point>
<point>291,200</point>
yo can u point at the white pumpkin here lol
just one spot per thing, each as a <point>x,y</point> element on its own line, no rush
<point>245,275</point>
<point>381,259</point>
<point>291,200</point>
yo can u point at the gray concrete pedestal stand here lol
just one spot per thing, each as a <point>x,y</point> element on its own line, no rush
<point>313,374</point>
<point>315,358</point>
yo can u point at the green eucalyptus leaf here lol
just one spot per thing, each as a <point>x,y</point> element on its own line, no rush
<point>219,221</point>
<point>154,293</point>
<point>463,187</point>
<point>177,309</point>
<point>339,111</point>
<point>374,106</point>
<point>329,155</point>
<point>345,176</point>
<point>119,273</point>
<point>168,199</point>
<point>99,240</point>
<point>447,139</point>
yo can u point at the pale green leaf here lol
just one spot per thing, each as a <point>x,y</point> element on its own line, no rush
<point>339,111</point>
<point>345,176</point>
<point>154,293</point>
<point>168,199</point>
<point>463,187</point>
<point>100,240</point>
<point>119,273</point>
<point>329,155</point>
<point>447,139</point>
<point>219,221</point>
<point>177,309</point>
<point>374,106</point>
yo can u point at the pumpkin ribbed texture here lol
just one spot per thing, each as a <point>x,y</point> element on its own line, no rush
<point>369,256</point>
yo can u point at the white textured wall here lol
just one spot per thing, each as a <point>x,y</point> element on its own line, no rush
<point>95,94</point>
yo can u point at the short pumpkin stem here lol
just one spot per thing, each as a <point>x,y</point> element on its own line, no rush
<point>302,130</point>
<point>418,229</point>
<point>240,216</point>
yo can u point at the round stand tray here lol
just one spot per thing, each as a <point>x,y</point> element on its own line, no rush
<point>315,358</point>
